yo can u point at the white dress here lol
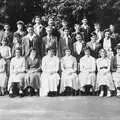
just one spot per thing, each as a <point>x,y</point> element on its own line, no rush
<point>49,77</point>
<point>87,71</point>
<point>6,54</point>
<point>107,44</point>
<point>104,76</point>
<point>5,51</point>
<point>69,77</point>
<point>116,73</point>
<point>3,76</point>
<point>17,71</point>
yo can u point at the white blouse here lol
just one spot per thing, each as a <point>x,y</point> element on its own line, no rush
<point>87,64</point>
<point>69,63</point>
<point>17,65</point>
<point>50,64</point>
<point>5,51</point>
<point>103,64</point>
<point>107,44</point>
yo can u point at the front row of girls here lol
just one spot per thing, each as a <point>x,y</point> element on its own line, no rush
<point>45,76</point>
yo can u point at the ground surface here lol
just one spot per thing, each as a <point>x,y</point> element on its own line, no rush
<point>60,108</point>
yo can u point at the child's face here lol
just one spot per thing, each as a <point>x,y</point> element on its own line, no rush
<point>50,52</point>
<point>87,52</point>
<point>30,30</point>
<point>68,52</point>
<point>64,23</point>
<point>15,40</point>
<point>37,20</point>
<point>93,38</point>
<point>118,51</point>
<point>84,21</point>
<point>19,26</point>
<point>33,53</point>
<point>107,34</point>
<point>97,27</point>
<point>102,54</point>
<point>51,22</point>
<point>4,43</point>
<point>17,53</point>
<point>78,38</point>
<point>66,32</point>
<point>6,27</point>
<point>112,28</point>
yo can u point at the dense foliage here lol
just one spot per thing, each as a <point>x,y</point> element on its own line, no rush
<point>104,11</point>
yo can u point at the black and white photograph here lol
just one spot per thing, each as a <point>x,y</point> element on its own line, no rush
<point>59,59</point>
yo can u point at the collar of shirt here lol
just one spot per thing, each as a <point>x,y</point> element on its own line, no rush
<point>20,31</point>
<point>85,26</point>
<point>107,39</point>
<point>31,36</point>
<point>65,36</point>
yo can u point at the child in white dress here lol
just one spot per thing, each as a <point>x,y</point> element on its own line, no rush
<point>3,75</point>
<point>104,77</point>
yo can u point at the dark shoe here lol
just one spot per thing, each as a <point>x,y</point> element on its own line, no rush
<point>11,95</point>
<point>74,92</point>
<point>36,92</point>
<point>0,93</point>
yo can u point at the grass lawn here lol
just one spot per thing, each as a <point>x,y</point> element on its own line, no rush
<point>60,108</point>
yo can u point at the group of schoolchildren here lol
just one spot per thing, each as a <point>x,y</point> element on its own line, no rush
<point>47,60</point>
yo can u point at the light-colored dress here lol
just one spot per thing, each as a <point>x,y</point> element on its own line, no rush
<point>17,71</point>
<point>49,77</point>
<point>3,76</point>
<point>116,70</point>
<point>104,76</point>
<point>107,44</point>
<point>33,74</point>
<point>6,54</point>
<point>87,71</point>
<point>69,77</point>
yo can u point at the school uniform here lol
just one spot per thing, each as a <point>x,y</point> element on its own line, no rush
<point>78,49</point>
<point>29,42</point>
<point>104,76</point>
<point>116,70</point>
<point>17,71</point>
<point>69,77</point>
<point>49,77</point>
<point>49,42</point>
<point>33,73</point>
<point>87,71</point>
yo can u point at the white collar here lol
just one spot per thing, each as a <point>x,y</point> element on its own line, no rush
<point>29,36</point>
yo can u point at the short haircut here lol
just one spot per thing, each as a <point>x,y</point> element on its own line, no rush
<point>50,49</point>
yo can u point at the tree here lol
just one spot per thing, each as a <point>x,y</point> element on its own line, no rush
<point>72,10</point>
